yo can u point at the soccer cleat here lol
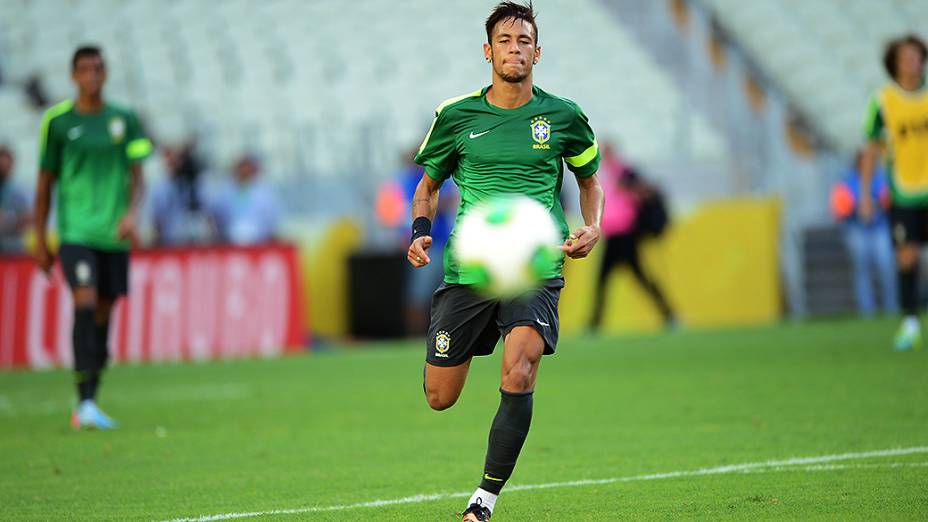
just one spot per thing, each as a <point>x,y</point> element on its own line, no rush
<point>89,415</point>
<point>907,338</point>
<point>476,512</point>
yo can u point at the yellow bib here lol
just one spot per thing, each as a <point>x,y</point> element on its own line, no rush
<point>905,115</point>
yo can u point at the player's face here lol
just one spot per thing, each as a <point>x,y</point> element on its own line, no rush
<point>512,50</point>
<point>909,62</point>
<point>89,74</point>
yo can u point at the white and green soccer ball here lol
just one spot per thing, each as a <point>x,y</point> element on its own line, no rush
<point>510,244</point>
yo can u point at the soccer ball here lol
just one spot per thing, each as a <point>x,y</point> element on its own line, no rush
<point>508,243</point>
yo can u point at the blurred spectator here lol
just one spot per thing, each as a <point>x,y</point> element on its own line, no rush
<point>633,209</point>
<point>869,243</point>
<point>177,209</point>
<point>246,208</point>
<point>394,209</point>
<point>14,206</point>
<point>35,91</point>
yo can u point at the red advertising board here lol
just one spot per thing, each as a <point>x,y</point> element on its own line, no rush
<point>183,304</point>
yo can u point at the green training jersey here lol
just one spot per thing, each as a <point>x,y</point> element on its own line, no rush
<point>90,156</point>
<point>490,151</point>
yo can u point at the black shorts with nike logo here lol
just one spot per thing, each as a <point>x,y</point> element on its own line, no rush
<point>465,324</point>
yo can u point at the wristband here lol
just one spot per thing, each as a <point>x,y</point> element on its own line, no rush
<point>421,226</point>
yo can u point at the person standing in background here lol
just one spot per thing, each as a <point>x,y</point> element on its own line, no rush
<point>91,153</point>
<point>177,209</point>
<point>868,243</point>
<point>394,203</point>
<point>14,207</point>
<point>626,194</point>
<point>246,209</point>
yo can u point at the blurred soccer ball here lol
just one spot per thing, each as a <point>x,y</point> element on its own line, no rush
<point>509,243</point>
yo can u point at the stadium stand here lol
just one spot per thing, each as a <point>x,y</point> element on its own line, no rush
<point>833,61</point>
<point>267,76</point>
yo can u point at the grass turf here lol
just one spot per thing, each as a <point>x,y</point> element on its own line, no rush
<point>349,426</point>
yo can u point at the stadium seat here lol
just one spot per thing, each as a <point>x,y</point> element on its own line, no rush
<point>833,61</point>
<point>255,74</point>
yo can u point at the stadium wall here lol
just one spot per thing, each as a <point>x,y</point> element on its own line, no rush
<point>183,304</point>
<point>718,267</point>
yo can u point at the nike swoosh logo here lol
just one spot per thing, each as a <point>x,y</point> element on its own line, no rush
<point>542,323</point>
<point>477,135</point>
<point>491,478</point>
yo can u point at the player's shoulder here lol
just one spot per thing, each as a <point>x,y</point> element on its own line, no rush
<point>454,103</point>
<point>557,102</point>
<point>57,110</point>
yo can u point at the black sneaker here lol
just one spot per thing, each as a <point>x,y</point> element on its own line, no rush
<point>476,512</point>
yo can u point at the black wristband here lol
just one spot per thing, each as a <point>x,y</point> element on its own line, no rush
<point>421,226</point>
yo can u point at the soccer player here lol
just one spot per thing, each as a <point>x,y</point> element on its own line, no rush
<point>90,151</point>
<point>898,115</point>
<point>508,138</point>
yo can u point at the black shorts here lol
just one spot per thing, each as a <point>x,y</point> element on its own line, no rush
<point>465,324</point>
<point>910,224</point>
<point>105,270</point>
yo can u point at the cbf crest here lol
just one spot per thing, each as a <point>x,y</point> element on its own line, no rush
<point>117,128</point>
<point>442,343</point>
<point>541,132</point>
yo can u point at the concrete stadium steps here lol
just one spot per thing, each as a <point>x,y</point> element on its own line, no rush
<point>253,73</point>
<point>825,53</point>
<point>829,288</point>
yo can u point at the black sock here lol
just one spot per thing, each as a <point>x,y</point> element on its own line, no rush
<point>83,343</point>
<point>908,291</point>
<point>507,434</point>
<point>101,353</point>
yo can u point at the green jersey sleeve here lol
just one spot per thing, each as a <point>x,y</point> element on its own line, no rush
<point>581,153</point>
<point>873,120</point>
<point>438,153</point>
<point>138,146</point>
<point>50,143</point>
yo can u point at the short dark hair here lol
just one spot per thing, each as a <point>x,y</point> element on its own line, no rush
<point>892,49</point>
<point>85,51</point>
<point>513,10</point>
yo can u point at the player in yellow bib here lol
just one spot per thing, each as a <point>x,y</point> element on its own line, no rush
<point>897,117</point>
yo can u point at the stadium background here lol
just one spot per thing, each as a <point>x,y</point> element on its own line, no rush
<point>703,96</point>
<point>744,113</point>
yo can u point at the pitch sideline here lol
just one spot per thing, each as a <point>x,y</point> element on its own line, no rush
<point>812,463</point>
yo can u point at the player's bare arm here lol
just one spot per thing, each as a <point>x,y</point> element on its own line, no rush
<point>582,240</point>
<point>868,161</point>
<point>128,222</point>
<point>43,198</point>
<point>424,205</point>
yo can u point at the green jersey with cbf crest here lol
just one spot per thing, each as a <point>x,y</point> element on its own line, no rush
<point>90,156</point>
<point>490,151</point>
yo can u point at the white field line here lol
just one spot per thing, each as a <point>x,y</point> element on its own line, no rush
<point>819,463</point>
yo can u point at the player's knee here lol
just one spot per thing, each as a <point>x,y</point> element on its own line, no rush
<point>439,401</point>
<point>518,379</point>
<point>85,297</point>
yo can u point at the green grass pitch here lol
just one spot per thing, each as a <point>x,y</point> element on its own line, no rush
<point>338,428</point>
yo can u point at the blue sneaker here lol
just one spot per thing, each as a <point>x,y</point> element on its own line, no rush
<point>89,415</point>
<point>908,337</point>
